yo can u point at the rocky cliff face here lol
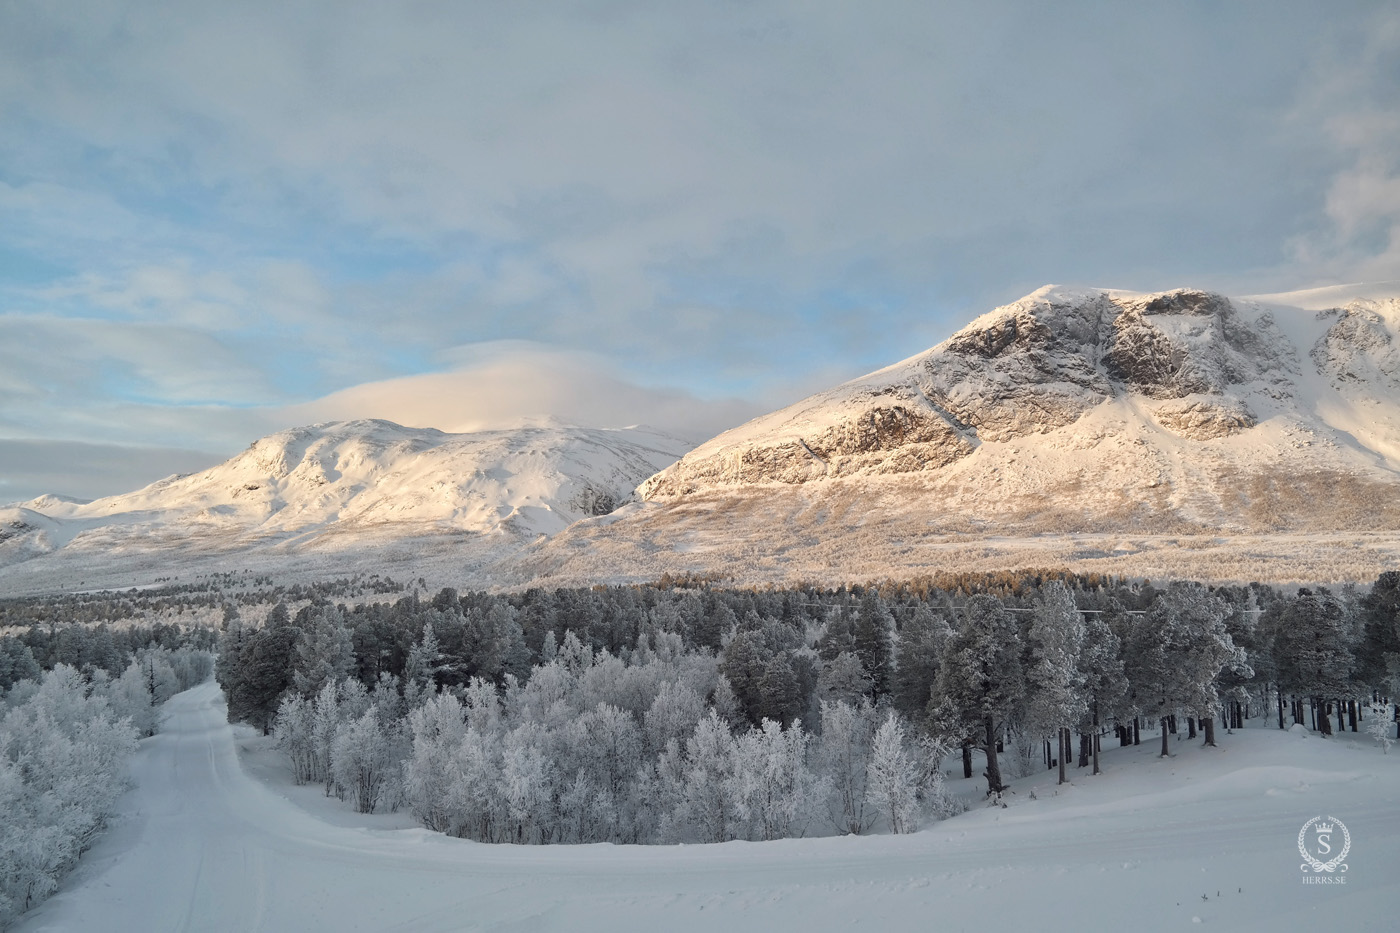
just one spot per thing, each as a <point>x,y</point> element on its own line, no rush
<point>1194,364</point>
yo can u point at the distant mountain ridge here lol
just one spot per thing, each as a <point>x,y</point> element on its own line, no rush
<point>355,484</point>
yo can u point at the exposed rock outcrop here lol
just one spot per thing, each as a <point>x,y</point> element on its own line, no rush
<point>1191,358</point>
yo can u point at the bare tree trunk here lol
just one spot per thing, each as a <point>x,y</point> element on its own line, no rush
<point>1351,713</point>
<point>993,774</point>
<point>1341,721</point>
<point>1096,735</point>
<point>1280,707</point>
<point>1191,726</point>
<point>1062,737</point>
<point>967,759</point>
<point>1085,741</point>
<point>1209,723</point>
<point>1165,751</point>
<point>1137,730</point>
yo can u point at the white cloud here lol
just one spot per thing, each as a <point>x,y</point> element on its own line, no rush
<point>624,144</point>
<point>270,201</point>
<point>509,383</point>
<point>1353,99</point>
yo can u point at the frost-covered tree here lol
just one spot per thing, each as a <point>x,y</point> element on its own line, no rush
<point>1313,650</point>
<point>425,662</point>
<point>326,718</point>
<point>1101,662</point>
<point>673,715</point>
<point>843,679</point>
<point>528,784</point>
<point>1381,718</point>
<point>709,805</point>
<point>847,733</point>
<point>295,728</point>
<point>1054,683</point>
<point>361,760</point>
<point>146,684</point>
<point>773,790</point>
<point>438,727</point>
<point>1177,651</point>
<point>981,685</point>
<point>892,779</point>
<point>63,755</point>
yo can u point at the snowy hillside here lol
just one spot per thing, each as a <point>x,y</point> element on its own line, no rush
<point>1069,412</point>
<point>347,485</point>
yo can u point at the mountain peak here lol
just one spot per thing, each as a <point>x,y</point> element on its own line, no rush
<point>363,480</point>
<point>1085,368</point>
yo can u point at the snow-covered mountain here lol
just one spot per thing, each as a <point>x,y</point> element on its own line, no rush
<point>1179,433</point>
<point>354,484</point>
<point>1072,411</point>
<point>1037,377</point>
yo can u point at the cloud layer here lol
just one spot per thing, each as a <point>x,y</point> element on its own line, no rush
<point>214,212</point>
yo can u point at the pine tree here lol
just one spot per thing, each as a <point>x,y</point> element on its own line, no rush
<point>981,680</point>
<point>922,644</point>
<point>324,652</point>
<point>1105,685</point>
<point>780,696</point>
<point>1313,650</point>
<point>1177,650</point>
<point>873,633</point>
<point>425,662</point>
<point>1378,656</point>
<point>1054,683</point>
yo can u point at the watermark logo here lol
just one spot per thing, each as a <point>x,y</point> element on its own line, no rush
<point>1324,860</point>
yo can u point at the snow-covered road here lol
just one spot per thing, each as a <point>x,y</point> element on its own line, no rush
<point>1152,845</point>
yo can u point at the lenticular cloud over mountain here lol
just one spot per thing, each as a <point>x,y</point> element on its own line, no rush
<point>511,383</point>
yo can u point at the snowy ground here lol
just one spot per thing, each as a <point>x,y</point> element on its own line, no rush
<point>1207,836</point>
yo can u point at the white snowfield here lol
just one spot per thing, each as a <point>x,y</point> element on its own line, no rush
<point>1208,836</point>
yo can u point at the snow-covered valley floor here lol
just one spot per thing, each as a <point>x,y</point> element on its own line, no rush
<point>1206,837</point>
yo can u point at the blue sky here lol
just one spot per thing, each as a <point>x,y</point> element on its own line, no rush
<point>217,220</point>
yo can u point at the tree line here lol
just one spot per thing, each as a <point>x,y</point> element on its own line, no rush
<point>649,714</point>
